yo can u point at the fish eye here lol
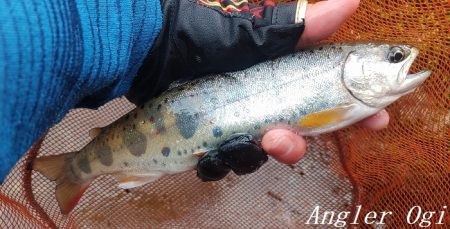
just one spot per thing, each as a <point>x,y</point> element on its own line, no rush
<point>396,54</point>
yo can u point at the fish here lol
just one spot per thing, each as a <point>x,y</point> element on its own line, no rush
<point>312,91</point>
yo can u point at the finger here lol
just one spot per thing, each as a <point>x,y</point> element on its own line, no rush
<point>324,18</point>
<point>284,145</point>
<point>376,122</point>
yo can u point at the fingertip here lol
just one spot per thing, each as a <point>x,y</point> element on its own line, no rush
<point>378,121</point>
<point>324,18</point>
<point>284,145</point>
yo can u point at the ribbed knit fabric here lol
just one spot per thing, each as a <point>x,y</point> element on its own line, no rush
<point>56,55</point>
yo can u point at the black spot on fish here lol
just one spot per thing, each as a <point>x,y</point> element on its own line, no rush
<point>333,47</point>
<point>127,190</point>
<point>165,151</point>
<point>311,51</point>
<point>217,132</point>
<point>123,128</point>
<point>257,127</point>
<point>320,48</point>
<point>136,142</point>
<point>155,161</point>
<point>199,147</point>
<point>281,119</point>
<point>187,124</point>
<point>159,107</point>
<point>289,122</point>
<point>205,144</point>
<point>185,151</point>
<point>166,100</point>
<point>258,69</point>
<point>125,164</point>
<point>104,155</point>
<point>192,150</point>
<point>83,163</point>
<point>267,120</point>
<point>179,153</point>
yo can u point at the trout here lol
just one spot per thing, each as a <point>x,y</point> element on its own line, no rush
<point>313,91</point>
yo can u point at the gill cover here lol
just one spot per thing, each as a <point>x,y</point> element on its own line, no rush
<point>370,74</point>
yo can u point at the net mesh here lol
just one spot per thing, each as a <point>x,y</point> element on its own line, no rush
<point>405,165</point>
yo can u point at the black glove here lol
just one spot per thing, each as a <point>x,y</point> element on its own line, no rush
<point>211,36</point>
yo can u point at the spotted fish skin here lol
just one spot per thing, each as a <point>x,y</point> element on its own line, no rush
<point>162,134</point>
<point>313,91</point>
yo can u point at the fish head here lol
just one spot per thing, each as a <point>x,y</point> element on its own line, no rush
<point>377,74</point>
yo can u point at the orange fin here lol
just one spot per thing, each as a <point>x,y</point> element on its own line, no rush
<point>51,167</point>
<point>68,191</point>
<point>94,132</point>
<point>132,181</point>
<point>326,117</point>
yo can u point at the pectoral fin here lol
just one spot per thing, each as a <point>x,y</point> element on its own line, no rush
<point>132,181</point>
<point>326,117</point>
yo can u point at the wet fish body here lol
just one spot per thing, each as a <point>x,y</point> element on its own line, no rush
<point>313,91</point>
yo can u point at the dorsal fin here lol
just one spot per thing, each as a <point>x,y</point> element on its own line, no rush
<point>176,83</point>
<point>94,132</point>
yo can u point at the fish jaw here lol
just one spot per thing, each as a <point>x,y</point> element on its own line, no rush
<point>411,82</point>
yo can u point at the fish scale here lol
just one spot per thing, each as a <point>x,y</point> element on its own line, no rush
<point>312,92</point>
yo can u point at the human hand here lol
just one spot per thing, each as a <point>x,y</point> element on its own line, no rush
<point>322,20</point>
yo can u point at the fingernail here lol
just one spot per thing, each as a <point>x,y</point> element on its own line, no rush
<point>382,119</point>
<point>282,144</point>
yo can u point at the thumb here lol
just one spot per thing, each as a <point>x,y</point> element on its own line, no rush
<point>284,145</point>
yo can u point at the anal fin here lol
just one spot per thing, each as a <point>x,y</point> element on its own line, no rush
<point>133,181</point>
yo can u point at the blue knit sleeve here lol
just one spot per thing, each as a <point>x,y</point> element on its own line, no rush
<point>55,55</point>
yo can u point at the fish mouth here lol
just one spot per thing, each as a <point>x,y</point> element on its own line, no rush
<point>409,82</point>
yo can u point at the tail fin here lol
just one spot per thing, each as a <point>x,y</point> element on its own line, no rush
<point>68,189</point>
